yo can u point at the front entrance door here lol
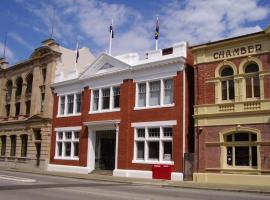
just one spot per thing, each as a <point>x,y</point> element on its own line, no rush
<point>105,150</point>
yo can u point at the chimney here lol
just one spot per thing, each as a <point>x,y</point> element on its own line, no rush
<point>3,63</point>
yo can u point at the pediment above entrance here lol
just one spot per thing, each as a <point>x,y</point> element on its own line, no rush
<point>104,64</point>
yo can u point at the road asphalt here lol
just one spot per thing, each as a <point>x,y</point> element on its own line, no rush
<point>160,183</point>
<point>33,186</point>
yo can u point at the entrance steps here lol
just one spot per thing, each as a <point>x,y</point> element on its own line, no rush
<point>102,172</point>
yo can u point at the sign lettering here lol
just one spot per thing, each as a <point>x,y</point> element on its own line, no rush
<point>237,51</point>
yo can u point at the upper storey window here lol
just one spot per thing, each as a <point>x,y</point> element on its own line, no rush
<point>69,104</point>
<point>105,99</point>
<point>19,83</point>
<point>29,81</point>
<point>252,81</point>
<point>227,83</point>
<point>9,90</point>
<point>154,93</point>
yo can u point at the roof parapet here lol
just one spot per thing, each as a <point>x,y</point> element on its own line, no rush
<point>51,43</point>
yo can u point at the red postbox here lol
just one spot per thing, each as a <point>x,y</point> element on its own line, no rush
<point>162,172</point>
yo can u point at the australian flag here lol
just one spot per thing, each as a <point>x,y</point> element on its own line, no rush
<point>111,30</point>
<point>157,30</point>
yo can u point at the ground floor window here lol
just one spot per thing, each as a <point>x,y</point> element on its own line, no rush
<point>67,144</point>
<point>13,145</point>
<point>241,149</point>
<point>24,139</point>
<point>153,144</point>
<point>3,144</point>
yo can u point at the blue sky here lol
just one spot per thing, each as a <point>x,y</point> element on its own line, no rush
<point>28,22</point>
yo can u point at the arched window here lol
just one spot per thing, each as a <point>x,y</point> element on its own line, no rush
<point>9,90</point>
<point>19,83</point>
<point>29,81</point>
<point>227,83</point>
<point>252,80</point>
<point>241,149</point>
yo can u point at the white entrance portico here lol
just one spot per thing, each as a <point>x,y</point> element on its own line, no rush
<point>95,130</point>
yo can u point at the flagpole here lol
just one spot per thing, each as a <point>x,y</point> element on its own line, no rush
<point>157,25</point>
<point>53,18</point>
<point>76,58</point>
<point>5,44</point>
<point>111,32</point>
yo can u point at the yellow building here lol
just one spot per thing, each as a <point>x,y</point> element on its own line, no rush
<point>232,110</point>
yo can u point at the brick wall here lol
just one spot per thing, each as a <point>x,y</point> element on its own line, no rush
<point>205,92</point>
<point>209,156</point>
<point>128,115</point>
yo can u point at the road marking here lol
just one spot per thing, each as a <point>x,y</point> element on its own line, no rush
<point>18,179</point>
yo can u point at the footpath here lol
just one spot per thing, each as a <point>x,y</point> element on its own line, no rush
<point>154,182</point>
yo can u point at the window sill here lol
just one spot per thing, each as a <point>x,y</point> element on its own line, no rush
<point>240,168</point>
<point>69,115</point>
<point>252,99</point>
<point>227,101</point>
<point>151,107</point>
<point>153,162</point>
<point>236,170</point>
<point>104,111</point>
<point>66,158</point>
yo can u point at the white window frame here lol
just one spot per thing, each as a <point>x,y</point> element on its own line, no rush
<point>252,77</point>
<point>111,104</point>
<point>234,144</point>
<point>162,94</point>
<point>73,140</point>
<point>66,114</point>
<point>161,139</point>
<point>227,89</point>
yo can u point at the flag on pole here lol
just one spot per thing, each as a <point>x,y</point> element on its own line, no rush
<point>111,30</point>
<point>111,37</point>
<point>157,30</point>
<point>77,52</point>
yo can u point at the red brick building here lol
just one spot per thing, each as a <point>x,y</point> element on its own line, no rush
<point>125,114</point>
<point>232,109</point>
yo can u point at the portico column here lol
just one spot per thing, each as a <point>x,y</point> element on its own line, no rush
<point>116,145</point>
<point>91,149</point>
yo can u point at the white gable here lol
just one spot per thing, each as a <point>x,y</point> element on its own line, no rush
<point>104,64</point>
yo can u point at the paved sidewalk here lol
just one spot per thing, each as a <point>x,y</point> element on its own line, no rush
<point>161,183</point>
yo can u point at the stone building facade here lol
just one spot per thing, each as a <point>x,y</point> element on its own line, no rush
<point>26,102</point>
<point>232,109</point>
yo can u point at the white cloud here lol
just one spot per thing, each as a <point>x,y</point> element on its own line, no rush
<point>10,56</point>
<point>196,21</point>
<point>96,23</point>
<point>135,40</point>
<point>245,30</point>
<point>51,16</point>
<point>20,40</point>
<point>204,20</point>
